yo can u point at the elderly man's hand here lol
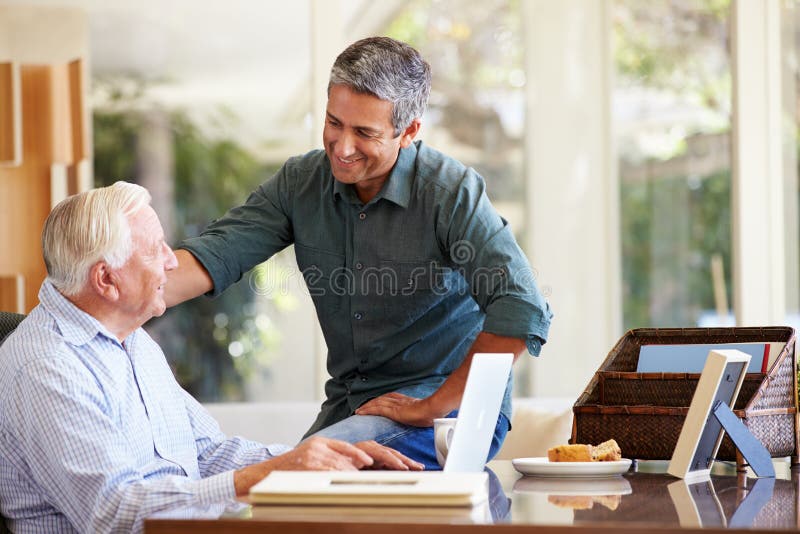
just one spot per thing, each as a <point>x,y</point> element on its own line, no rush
<point>324,454</point>
<point>387,458</point>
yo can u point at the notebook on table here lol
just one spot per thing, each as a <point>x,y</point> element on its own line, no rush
<point>463,481</point>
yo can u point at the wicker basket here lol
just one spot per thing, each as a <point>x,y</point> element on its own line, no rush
<point>644,412</point>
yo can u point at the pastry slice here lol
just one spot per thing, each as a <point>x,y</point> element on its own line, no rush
<point>570,453</point>
<point>608,451</point>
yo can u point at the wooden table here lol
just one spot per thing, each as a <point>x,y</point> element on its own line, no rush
<point>642,500</point>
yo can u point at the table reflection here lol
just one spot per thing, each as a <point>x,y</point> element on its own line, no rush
<point>499,503</point>
<point>577,493</point>
<point>644,499</point>
<point>724,501</point>
<point>720,502</point>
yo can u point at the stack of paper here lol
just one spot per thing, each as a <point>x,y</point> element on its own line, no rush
<point>372,488</point>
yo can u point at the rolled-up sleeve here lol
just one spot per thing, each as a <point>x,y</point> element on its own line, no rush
<point>246,235</point>
<point>500,278</point>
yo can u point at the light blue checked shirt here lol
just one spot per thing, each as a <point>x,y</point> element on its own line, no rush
<point>96,435</point>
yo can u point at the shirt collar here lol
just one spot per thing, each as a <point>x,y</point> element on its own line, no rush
<point>397,188</point>
<point>344,191</point>
<point>77,326</point>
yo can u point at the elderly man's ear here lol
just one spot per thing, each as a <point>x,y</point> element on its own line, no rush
<point>104,281</point>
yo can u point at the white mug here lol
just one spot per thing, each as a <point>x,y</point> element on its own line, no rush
<point>443,428</point>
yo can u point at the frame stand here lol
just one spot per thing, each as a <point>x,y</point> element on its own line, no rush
<point>752,450</point>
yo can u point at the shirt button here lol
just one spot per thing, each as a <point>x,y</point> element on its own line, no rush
<point>359,265</point>
<point>357,316</point>
<point>362,215</point>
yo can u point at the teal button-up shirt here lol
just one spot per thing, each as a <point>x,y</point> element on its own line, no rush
<point>402,285</point>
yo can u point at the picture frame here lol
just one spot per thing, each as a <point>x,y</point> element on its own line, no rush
<point>702,433</point>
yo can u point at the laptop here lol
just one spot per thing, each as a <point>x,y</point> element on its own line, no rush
<point>478,413</point>
<point>463,482</point>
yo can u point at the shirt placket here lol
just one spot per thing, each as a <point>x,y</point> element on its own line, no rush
<point>361,313</point>
<point>165,439</point>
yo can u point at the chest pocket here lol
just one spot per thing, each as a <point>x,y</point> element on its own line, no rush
<point>325,276</point>
<point>420,287</point>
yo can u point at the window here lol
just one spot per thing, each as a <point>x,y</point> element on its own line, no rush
<point>476,112</point>
<point>790,72</point>
<point>200,109</point>
<point>525,92</point>
<point>672,120</point>
<point>477,106</point>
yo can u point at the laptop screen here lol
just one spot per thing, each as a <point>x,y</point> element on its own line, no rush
<point>478,413</point>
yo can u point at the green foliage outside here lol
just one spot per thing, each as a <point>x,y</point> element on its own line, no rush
<point>475,50</point>
<point>653,302</point>
<point>673,223</point>
<point>212,345</point>
<point>665,43</point>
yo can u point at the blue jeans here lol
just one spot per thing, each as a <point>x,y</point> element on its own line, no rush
<point>415,442</point>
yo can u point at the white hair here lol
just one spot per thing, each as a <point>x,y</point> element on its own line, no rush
<point>90,227</point>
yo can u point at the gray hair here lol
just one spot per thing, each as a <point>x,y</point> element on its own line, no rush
<point>90,227</point>
<point>387,69</point>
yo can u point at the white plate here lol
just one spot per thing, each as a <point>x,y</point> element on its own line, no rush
<point>542,467</point>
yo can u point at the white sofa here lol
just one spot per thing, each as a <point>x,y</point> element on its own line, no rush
<point>537,423</point>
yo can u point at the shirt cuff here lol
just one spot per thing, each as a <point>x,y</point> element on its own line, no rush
<point>216,488</point>
<point>276,449</point>
<point>514,317</point>
<point>534,345</point>
<point>214,265</point>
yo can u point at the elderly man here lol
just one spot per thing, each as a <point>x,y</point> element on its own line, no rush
<point>96,434</point>
<point>411,269</point>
